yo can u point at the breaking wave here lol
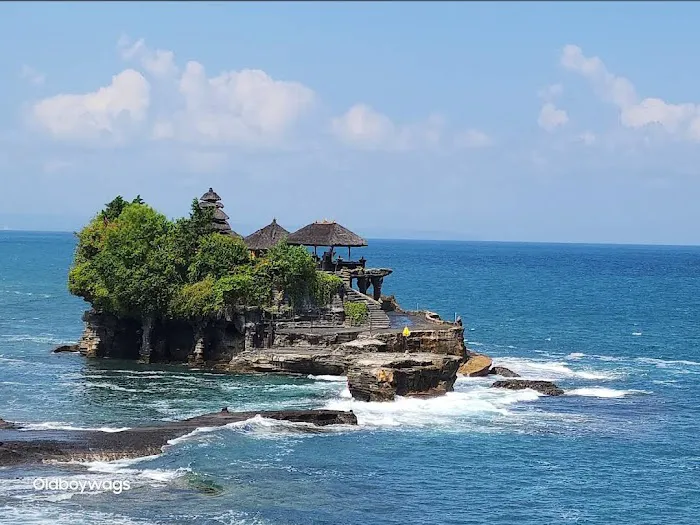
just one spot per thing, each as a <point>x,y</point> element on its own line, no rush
<point>598,391</point>
<point>56,425</point>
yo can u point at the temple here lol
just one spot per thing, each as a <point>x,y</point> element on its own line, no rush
<point>220,223</point>
<point>383,349</point>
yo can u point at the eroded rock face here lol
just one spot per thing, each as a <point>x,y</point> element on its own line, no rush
<point>382,377</point>
<point>503,372</point>
<point>543,387</point>
<point>477,365</point>
<point>316,361</point>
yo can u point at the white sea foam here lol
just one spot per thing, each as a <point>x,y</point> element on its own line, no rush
<point>469,399</point>
<point>117,388</point>
<point>662,363</point>
<point>339,379</point>
<point>576,355</point>
<point>549,370</point>
<point>27,514</point>
<point>57,425</point>
<point>598,391</point>
<point>636,333</point>
<point>124,467</point>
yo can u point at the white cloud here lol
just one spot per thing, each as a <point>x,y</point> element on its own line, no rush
<point>472,138</point>
<point>365,128</point>
<point>32,76</point>
<point>157,62</point>
<point>551,117</point>
<point>110,111</point>
<point>246,106</point>
<point>682,120</point>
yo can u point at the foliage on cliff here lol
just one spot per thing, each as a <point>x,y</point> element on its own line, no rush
<point>133,261</point>
<point>357,313</point>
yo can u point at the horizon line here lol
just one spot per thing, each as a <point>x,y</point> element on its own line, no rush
<point>492,241</point>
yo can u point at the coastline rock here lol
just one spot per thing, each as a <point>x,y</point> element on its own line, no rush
<point>503,372</point>
<point>66,348</point>
<point>543,387</point>
<point>6,425</point>
<point>382,377</point>
<point>477,365</point>
<point>315,361</point>
<point>38,446</point>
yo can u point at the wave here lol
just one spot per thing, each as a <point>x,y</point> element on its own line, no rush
<point>637,333</point>
<point>117,388</point>
<point>598,391</point>
<point>663,363</point>
<point>549,370</point>
<point>43,339</point>
<point>262,427</point>
<point>443,411</point>
<point>56,425</point>
<point>338,379</point>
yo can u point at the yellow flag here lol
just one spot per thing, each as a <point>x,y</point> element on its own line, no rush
<point>406,331</point>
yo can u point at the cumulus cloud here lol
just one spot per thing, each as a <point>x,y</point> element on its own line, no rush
<point>109,111</point>
<point>363,127</point>
<point>551,117</point>
<point>682,120</point>
<point>32,76</point>
<point>246,106</point>
<point>157,62</point>
<point>234,107</point>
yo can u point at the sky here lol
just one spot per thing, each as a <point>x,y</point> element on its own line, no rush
<point>551,121</point>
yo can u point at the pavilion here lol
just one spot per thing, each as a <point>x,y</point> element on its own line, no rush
<point>329,234</point>
<point>265,238</point>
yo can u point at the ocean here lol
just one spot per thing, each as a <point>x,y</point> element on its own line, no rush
<point>615,326</point>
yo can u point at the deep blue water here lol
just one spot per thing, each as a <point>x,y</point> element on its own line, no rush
<point>616,326</point>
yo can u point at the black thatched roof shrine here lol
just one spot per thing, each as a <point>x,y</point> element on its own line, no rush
<point>326,233</point>
<point>220,223</point>
<point>210,196</point>
<point>267,237</point>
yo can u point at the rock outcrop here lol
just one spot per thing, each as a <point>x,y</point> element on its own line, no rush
<point>5,425</point>
<point>543,387</point>
<point>37,446</point>
<point>66,348</point>
<point>476,365</point>
<point>382,377</point>
<point>503,372</point>
<point>316,361</point>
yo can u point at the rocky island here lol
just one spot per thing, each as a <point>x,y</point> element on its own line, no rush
<point>194,291</point>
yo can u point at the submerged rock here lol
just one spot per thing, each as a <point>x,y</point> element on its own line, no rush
<point>503,372</point>
<point>382,377</point>
<point>37,446</point>
<point>6,424</point>
<point>543,387</point>
<point>66,348</point>
<point>476,365</point>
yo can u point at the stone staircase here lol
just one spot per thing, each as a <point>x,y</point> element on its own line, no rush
<point>377,318</point>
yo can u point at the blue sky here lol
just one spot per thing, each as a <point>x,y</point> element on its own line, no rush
<point>566,122</point>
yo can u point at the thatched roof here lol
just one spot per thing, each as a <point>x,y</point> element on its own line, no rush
<point>267,237</point>
<point>210,196</point>
<point>219,215</point>
<point>207,204</point>
<point>225,228</point>
<point>325,233</point>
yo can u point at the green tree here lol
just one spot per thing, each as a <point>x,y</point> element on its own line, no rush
<point>218,255</point>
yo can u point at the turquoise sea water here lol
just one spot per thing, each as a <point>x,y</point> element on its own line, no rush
<point>615,326</point>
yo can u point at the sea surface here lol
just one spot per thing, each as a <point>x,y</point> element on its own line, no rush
<point>615,326</point>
